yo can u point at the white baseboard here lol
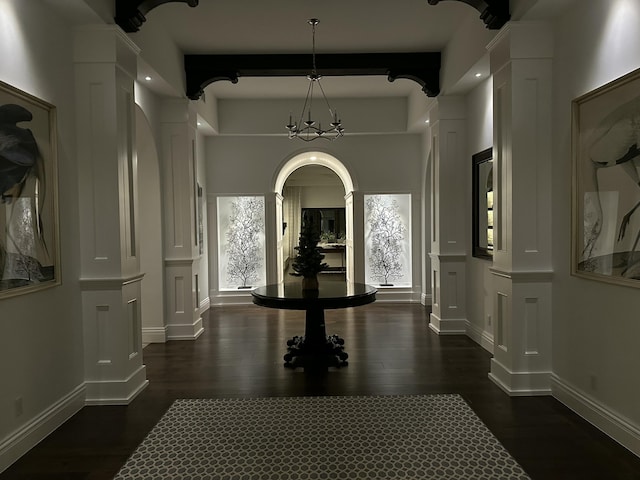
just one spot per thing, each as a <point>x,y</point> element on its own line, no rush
<point>154,335</point>
<point>621,429</point>
<point>426,299</point>
<point>448,326</point>
<point>24,439</point>
<point>397,295</point>
<point>231,301</point>
<point>176,332</point>
<point>230,297</point>
<point>480,336</point>
<point>185,331</point>
<point>204,305</point>
<point>116,392</point>
<point>520,383</point>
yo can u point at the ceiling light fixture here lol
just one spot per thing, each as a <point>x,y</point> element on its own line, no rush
<point>307,130</point>
<point>147,78</point>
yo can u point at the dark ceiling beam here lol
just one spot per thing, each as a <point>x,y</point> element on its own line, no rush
<point>494,13</point>
<point>130,14</point>
<point>422,68</point>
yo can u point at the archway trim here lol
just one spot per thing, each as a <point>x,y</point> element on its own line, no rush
<point>314,158</point>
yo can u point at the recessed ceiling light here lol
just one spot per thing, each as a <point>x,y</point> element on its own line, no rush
<point>426,121</point>
<point>478,75</point>
<point>199,123</point>
<point>147,78</point>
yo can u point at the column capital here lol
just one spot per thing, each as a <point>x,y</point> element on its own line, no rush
<point>96,44</point>
<point>519,41</point>
<point>178,110</point>
<point>447,107</point>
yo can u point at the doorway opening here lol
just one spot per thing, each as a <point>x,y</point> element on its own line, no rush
<point>150,227</point>
<point>320,181</point>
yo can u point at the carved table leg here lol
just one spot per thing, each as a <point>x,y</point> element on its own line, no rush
<point>315,348</point>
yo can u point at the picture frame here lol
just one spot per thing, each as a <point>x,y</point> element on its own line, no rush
<point>29,238</point>
<point>605,183</point>
<point>482,204</point>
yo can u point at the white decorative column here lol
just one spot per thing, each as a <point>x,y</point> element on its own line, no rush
<point>273,236</point>
<point>354,209</point>
<point>181,251</point>
<point>105,68</point>
<point>449,215</point>
<point>279,234</point>
<point>521,65</point>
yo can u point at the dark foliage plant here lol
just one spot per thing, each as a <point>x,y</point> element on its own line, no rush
<point>308,260</point>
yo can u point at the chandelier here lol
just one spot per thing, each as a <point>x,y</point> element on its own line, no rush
<point>307,130</point>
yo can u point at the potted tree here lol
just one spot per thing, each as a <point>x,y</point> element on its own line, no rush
<point>308,261</point>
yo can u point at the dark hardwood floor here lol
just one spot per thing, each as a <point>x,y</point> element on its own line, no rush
<point>391,351</point>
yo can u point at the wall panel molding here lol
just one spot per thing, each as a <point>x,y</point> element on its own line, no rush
<point>105,283</point>
<point>530,276</point>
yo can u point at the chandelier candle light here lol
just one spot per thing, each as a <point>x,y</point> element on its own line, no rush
<point>307,130</point>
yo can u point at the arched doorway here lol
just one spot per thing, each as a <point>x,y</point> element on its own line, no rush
<point>150,227</point>
<point>315,158</point>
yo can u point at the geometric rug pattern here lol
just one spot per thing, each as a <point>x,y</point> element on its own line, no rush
<point>390,437</point>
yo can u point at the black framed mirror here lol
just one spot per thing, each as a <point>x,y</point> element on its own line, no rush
<point>333,224</point>
<point>482,204</point>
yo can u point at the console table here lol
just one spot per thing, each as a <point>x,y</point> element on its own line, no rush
<point>315,348</point>
<point>332,250</point>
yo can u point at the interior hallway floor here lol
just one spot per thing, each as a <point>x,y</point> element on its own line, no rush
<point>391,352</point>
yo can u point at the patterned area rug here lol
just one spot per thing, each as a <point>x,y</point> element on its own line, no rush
<point>308,438</point>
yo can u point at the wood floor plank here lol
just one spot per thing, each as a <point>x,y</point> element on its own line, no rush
<point>391,352</point>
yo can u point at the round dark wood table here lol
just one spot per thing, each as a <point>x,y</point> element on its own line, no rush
<point>315,348</point>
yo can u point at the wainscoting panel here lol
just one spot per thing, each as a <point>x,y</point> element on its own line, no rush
<point>531,326</point>
<point>179,295</point>
<point>102,335</point>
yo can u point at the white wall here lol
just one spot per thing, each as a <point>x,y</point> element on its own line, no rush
<point>384,163</point>
<point>269,117</point>
<point>41,353</point>
<point>150,232</point>
<point>480,137</point>
<point>377,163</point>
<point>596,327</point>
<point>160,52</point>
<point>203,267</point>
<point>322,197</point>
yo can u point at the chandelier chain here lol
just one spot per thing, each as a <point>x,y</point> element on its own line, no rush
<point>306,129</point>
<point>313,22</point>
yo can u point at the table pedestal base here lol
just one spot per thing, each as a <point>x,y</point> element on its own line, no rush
<point>315,348</point>
<point>301,353</point>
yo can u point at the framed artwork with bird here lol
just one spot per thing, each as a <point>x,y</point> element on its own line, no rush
<point>606,182</point>
<point>29,253</point>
